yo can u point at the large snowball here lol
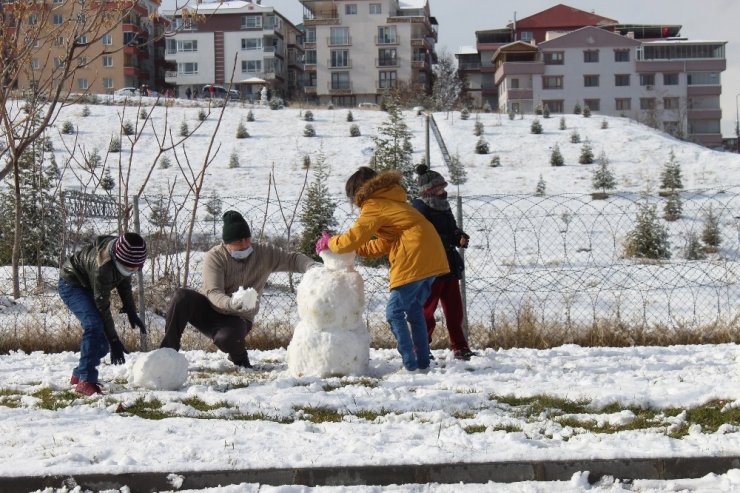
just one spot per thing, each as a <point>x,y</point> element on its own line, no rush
<point>328,354</point>
<point>329,299</point>
<point>161,369</point>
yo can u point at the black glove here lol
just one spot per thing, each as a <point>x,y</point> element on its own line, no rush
<point>462,239</point>
<point>116,352</point>
<point>135,321</point>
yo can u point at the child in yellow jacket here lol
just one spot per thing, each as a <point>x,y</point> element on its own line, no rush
<point>389,225</point>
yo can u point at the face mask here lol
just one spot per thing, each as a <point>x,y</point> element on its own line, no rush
<point>123,270</point>
<point>241,254</point>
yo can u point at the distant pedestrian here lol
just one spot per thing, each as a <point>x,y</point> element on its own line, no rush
<point>433,204</point>
<point>86,280</point>
<point>188,93</point>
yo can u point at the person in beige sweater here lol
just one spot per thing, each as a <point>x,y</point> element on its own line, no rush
<point>212,310</point>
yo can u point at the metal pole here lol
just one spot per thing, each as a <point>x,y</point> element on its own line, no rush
<point>143,343</point>
<point>426,139</point>
<point>463,284</point>
<point>737,126</point>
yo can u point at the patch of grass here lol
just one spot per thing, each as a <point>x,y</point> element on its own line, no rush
<point>370,415</point>
<point>507,428</point>
<point>319,414</point>
<point>348,382</point>
<point>538,404</point>
<point>147,409</point>
<point>10,398</point>
<point>475,429</point>
<point>710,416</point>
<point>262,417</point>
<point>463,414</point>
<point>55,400</point>
<point>200,405</point>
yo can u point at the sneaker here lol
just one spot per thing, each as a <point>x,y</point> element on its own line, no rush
<point>88,388</point>
<point>74,379</point>
<point>243,362</point>
<point>465,354</point>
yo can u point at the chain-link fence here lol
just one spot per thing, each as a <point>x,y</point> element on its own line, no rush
<point>545,264</point>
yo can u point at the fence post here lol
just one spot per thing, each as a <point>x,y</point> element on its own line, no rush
<point>426,140</point>
<point>143,345</point>
<point>463,284</point>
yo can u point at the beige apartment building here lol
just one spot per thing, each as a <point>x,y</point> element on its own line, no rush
<point>128,55</point>
<point>358,50</point>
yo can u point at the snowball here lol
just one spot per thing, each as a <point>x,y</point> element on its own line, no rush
<point>326,354</point>
<point>338,261</point>
<point>329,299</point>
<point>247,297</point>
<point>161,369</point>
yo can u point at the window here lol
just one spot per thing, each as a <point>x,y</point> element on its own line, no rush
<point>340,80</point>
<point>311,35</point>
<point>621,55</point>
<point>647,103</point>
<point>553,106</point>
<point>339,36</point>
<point>107,39</point>
<point>32,20</point>
<point>552,82</point>
<point>525,36</point>
<point>376,9</point>
<point>554,58</point>
<point>704,127</point>
<point>339,59</point>
<point>82,62</point>
<point>251,66</point>
<point>107,83</point>
<point>82,39</point>
<point>591,56</point>
<point>350,9</point>
<point>671,103</point>
<point>82,84</point>
<point>35,65</point>
<point>310,57</point>
<point>621,80</point>
<point>58,62</point>
<point>670,79</point>
<point>107,61</point>
<point>591,81</point>
<point>59,41</point>
<point>311,79</point>
<point>702,78</point>
<point>57,19</point>
<point>189,68</point>
<point>514,83</point>
<point>593,104</point>
<point>623,104</point>
<point>387,57</point>
<point>386,79</point>
<point>647,79</point>
<point>252,22</point>
<point>250,44</point>
<point>387,35</point>
<point>187,45</point>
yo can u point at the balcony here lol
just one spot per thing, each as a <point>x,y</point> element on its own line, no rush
<point>339,41</point>
<point>389,62</point>
<point>384,85</point>
<point>338,66</point>
<point>339,89</point>
<point>468,66</point>
<point>518,68</point>
<point>704,114</point>
<point>170,76</point>
<point>386,41</point>
<point>309,89</point>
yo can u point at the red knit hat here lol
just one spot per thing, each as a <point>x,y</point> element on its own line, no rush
<point>130,250</point>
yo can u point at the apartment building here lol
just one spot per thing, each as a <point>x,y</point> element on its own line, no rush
<point>107,58</point>
<point>236,43</point>
<point>562,57</point>
<point>358,50</point>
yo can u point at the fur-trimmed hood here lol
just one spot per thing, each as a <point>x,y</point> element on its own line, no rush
<point>383,180</point>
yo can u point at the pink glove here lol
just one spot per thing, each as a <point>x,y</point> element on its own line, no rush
<point>323,243</point>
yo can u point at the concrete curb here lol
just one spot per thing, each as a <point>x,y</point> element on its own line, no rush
<point>500,472</point>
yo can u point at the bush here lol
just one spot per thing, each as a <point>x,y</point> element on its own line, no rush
<point>234,160</point>
<point>556,158</point>
<point>649,238</point>
<point>350,117</point>
<point>250,116</point>
<point>586,112</point>
<point>562,123</point>
<point>184,130</point>
<point>277,104</point>
<point>143,115</point>
<point>486,107</point>
<point>465,114</point>
<point>575,137</point>
<point>577,109</point>
<point>673,207</point>
<point>536,127</point>
<point>306,161</point>
<point>587,154</point>
<point>540,188</point>
<point>309,131</point>
<point>114,145</point>
<point>164,162</point>
<point>511,114</point>
<point>604,124</point>
<point>710,234</point>
<point>202,115</point>
<point>694,250</point>
<point>481,147</point>
<point>241,131</point>
<point>68,128</point>
<point>495,162</point>
<point>86,110</point>
<point>354,130</point>
<point>127,128</point>
<point>308,116</point>
<point>478,129</point>
<point>546,112</point>
<point>538,110</point>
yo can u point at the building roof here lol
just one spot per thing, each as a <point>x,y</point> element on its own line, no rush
<point>587,36</point>
<point>225,7</point>
<point>562,16</point>
<point>412,4</point>
<point>467,50</point>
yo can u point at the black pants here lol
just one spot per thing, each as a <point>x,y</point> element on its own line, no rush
<point>227,331</point>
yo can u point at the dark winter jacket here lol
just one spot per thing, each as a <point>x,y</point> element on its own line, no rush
<point>445,224</point>
<point>93,268</point>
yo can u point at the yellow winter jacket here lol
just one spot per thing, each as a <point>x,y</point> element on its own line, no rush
<point>389,225</point>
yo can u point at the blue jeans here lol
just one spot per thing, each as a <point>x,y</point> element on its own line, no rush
<point>94,345</point>
<point>406,303</point>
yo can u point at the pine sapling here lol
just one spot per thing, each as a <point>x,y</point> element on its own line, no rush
<point>481,147</point>
<point>587,154</point>
<point>673,207</point>
<point>562,123</point>
<point>309,131</point>
<point>603,178</point>
<point>234,160</point>
<point>575,137</point>
<point>556,157</point>
<point>541,187</point>
<point>241,131</point>
<point>711,235</point>
<point>536,127</point>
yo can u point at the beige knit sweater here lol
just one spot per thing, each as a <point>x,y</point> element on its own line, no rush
<point>222,274</point>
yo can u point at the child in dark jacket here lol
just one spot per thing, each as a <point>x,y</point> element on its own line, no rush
<point>388,225</point>
<point>433,204</point>
<point>85,283</point>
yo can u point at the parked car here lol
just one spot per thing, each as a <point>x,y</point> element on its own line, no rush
<point>126,91</point>
<point>218,92</point>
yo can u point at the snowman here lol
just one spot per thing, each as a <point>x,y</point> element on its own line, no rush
<point>330,338</point>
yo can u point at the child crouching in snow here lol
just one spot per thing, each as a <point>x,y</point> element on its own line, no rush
<point>389,225</point>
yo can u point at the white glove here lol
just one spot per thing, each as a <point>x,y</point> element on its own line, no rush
<point>243,299</point>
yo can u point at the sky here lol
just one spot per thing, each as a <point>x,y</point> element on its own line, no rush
<point>387,416</point>
<point>708,20</point>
